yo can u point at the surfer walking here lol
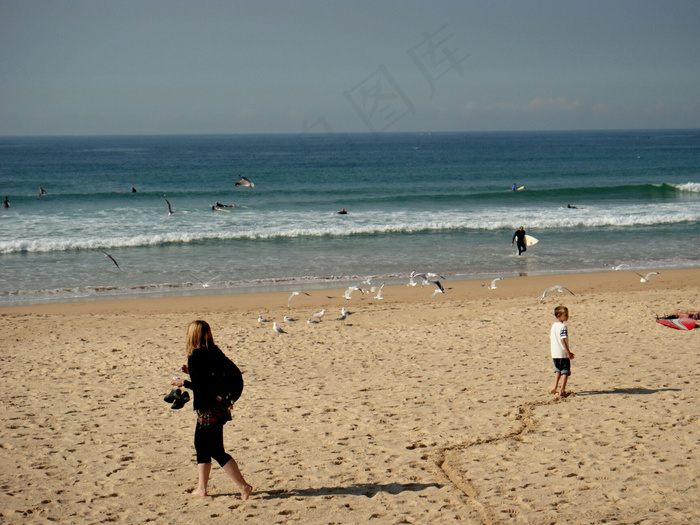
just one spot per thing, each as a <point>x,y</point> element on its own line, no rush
<point>519,237</point>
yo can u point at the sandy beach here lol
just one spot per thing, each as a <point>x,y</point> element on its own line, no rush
<point>411,410</point>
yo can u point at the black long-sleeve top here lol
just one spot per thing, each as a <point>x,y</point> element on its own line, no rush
<point>201,364</point>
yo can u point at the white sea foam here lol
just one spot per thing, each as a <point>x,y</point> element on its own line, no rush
<point>688,186</point>
<point>134,231</point>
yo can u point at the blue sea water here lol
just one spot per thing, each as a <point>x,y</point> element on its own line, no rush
<point>436,202</point>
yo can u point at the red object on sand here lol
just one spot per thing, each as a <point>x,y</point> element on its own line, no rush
<point>681,323</point>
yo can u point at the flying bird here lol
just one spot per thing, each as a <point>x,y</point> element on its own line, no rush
<point>619,267</point>
<point>379,293</point>
<point>438,290</point>
<point>293,294</point>
<point>111,258</point>
<point>170,208</point>
<point>349,291</point>
<point>277,328</point>
<point>557,288</point>
<point>244,182</point>
<point>204,284</point>
<point>493,283</point>
<point>645,279</point>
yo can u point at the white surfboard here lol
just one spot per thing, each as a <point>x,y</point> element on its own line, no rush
<point>530,241</point>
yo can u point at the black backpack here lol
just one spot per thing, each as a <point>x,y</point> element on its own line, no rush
<point>227,381</point>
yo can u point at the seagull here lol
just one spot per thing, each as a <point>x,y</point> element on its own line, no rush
<point>349,291</point>
<point>557,288</point>
<point>112,258</point>
<point>311,320</point>
<point>204,284</point>
<point>379,293</point>
<point>438,290</point>
<point>493,283</point>
<point>277,329</point>
<point>368,281</point>
<point>619,267</point>
<point>261,319</point>
<point>646,279</point>
<point>245,182</point>
<point>342,317</point>
<point>424,277</point>
<point>293,294</point>
<point>170,208</point>
<point>318,315</point>
<point>289,319</point>
<point>345,311</point>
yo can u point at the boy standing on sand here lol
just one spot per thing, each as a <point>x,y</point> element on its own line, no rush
<point>561,354</point>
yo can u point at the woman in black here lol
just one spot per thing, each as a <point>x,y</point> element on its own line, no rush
<point>203,356</point>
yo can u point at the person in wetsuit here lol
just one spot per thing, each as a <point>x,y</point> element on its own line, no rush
<point>519,237</point>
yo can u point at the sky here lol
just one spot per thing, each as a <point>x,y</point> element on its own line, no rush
<point>98,67</point>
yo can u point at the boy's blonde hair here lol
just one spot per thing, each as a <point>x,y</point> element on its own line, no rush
<point>560,310</point>
<point>198,336</point>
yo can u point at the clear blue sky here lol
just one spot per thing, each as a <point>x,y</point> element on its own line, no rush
<point>83,67</point>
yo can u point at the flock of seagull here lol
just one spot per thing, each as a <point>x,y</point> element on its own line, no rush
<point>414,279</point>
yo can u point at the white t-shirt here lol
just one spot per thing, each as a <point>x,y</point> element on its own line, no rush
<point>557,334</point>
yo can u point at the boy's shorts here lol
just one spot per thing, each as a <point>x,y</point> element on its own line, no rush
<point>563,366</point>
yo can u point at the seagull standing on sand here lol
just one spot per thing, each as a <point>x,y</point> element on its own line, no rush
<point>293,294</point>
<point>645,279</point>
<point>318,315</point>
<point>261,319</point>
<point>289,319</point>
<point>277,329</point>
<point>557,288</point>
<point>111,258</point>
<point>244,182</point>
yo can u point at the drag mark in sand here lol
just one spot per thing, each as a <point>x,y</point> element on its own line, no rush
<point>441,456</point>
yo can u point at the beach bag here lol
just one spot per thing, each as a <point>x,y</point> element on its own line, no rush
<point>227,381</point>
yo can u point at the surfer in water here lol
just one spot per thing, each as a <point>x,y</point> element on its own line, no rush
<point>6,204</point>
<point>42,191</point>
<point>519,237</point>
<point>514,187</point>
<point>341,212</point>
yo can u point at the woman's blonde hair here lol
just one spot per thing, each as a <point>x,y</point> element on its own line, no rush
<point>198,336</point>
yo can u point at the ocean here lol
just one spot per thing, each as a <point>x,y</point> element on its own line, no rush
<point>424,202</point>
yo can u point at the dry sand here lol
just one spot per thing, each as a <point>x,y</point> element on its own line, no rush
<point>411,411</point>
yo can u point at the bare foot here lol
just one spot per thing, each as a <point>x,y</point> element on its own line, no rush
<point>245,493</point>
<point>202,493</point>
<point>553,391</point>
<point>564,394</point>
